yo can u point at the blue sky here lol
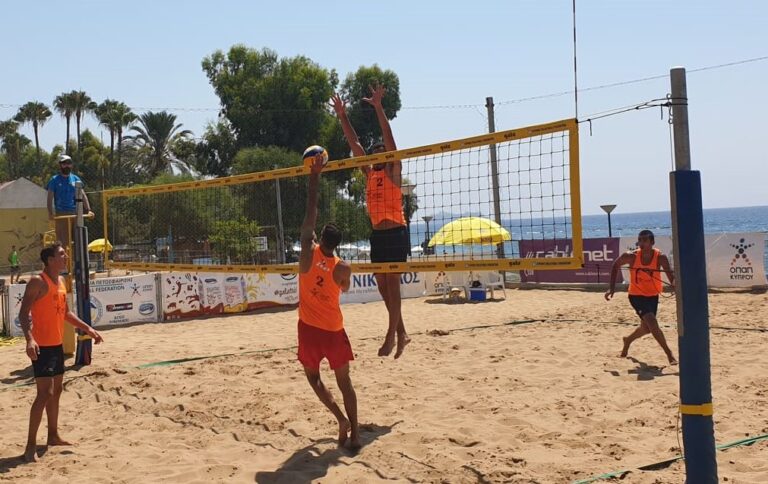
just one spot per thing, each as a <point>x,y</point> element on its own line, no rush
<point>148,53</point>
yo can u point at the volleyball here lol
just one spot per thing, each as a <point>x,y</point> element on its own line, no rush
<point>311,152</point>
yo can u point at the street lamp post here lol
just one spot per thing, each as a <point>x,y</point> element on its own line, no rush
<point>407,191</point>
<point>427,250</point>
<point>608,209</point>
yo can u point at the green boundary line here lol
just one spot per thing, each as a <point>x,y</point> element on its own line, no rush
<point>665,463</point>
<point>468,328</point>
<point>179,361</point>
<point>627,323</point>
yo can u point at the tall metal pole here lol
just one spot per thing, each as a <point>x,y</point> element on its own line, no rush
<point>427,219</point>
<point>280,235</point>
<point>408,192</point>
<point>82,282</point>
<point>494,173</point>
<point>692,304</point>
<point>608,209</point>
<point>610,230</point>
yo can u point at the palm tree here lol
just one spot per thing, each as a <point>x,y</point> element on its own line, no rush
<point>83,105</point>
<point>156,134</point>
<point>105,114</point>
<point>65,105</point>
<point>13,144</point>
<point>115,116</point>
<point>36,113</point>
<point>124,118</point>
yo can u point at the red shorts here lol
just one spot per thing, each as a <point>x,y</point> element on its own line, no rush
<point>316,344</point>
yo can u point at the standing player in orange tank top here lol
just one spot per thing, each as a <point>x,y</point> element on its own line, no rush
<point>645,285</point>
<point>322,278</point>
<point>389,238</point>
<point>46,298</point>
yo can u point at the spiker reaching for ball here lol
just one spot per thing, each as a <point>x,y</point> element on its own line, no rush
<point>313,152</point>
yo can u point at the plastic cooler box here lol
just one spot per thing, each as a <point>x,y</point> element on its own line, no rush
<point>477,294</point>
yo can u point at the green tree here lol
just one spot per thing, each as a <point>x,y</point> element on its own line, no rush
<point>65,104</point>
<point>37,169</point>
<point>357,86</point>
<point>155,135</point>
<point>216,151</point>
<point>234,241</point>
<point>104,113</point>
<point>94,161</point>
<point>83,105</point>
<point>35,113</point>
<point>123,118</point>
<point>260,198</point>
<point>185,150</point>
<point>271,101</point>
<point>115,116</point>
<point>4,176</point>
<point>13,144</point>
<point>188,216</point>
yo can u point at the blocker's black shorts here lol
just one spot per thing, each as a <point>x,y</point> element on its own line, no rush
<point>390,245</point>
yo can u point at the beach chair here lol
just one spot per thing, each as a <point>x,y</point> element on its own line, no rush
<point>448,281</point>
<point>493,280</point>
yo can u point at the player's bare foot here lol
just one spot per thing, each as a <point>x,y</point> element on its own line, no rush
<point>30,454</point>
<point>353,444</point>
<point>344,428</point>
<point>52,441</point>
<point>402,342</point>
<point>388,346</point>
<point>625,349</point>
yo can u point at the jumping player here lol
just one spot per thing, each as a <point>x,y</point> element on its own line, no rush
<point>389,237</point>
<point>322,278</point>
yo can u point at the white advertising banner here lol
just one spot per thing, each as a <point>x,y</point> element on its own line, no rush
<point>736,260</point>
<point>122,300</point>
<point>210,288</point>
<point>194,294</point>
<point>15,295</point>
<point>180,295</point>
<point>364,287</point>
<point>271,289</point>
<point>117,300</point>
<point>733,260</point>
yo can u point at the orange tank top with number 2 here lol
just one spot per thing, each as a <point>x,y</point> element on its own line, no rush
<point>384,198</point>
<point>48,314</point>
<point>319,294</point>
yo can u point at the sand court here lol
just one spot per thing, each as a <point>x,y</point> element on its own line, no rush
<point>490,397</point>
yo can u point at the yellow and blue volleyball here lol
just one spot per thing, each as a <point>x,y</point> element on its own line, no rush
<point>311,152</point>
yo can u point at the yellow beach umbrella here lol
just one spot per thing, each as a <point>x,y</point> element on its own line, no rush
<point>97,245</point>
<point>470,230</point>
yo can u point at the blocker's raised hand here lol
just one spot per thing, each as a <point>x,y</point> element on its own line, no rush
<point>337,104</point>
<point>377,94</point>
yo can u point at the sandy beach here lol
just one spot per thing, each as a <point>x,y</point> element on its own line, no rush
<point>482,394</point>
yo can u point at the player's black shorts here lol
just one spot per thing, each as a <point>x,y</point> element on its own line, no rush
<point>644,304</point>
<point>50,361</point>
<point>390,245</point>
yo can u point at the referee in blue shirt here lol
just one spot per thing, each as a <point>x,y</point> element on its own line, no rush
<point>61,196</point>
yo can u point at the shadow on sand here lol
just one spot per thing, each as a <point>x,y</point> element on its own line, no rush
<point>311,462</point>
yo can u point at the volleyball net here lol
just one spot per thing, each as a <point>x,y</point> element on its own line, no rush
<point>466,203</point>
